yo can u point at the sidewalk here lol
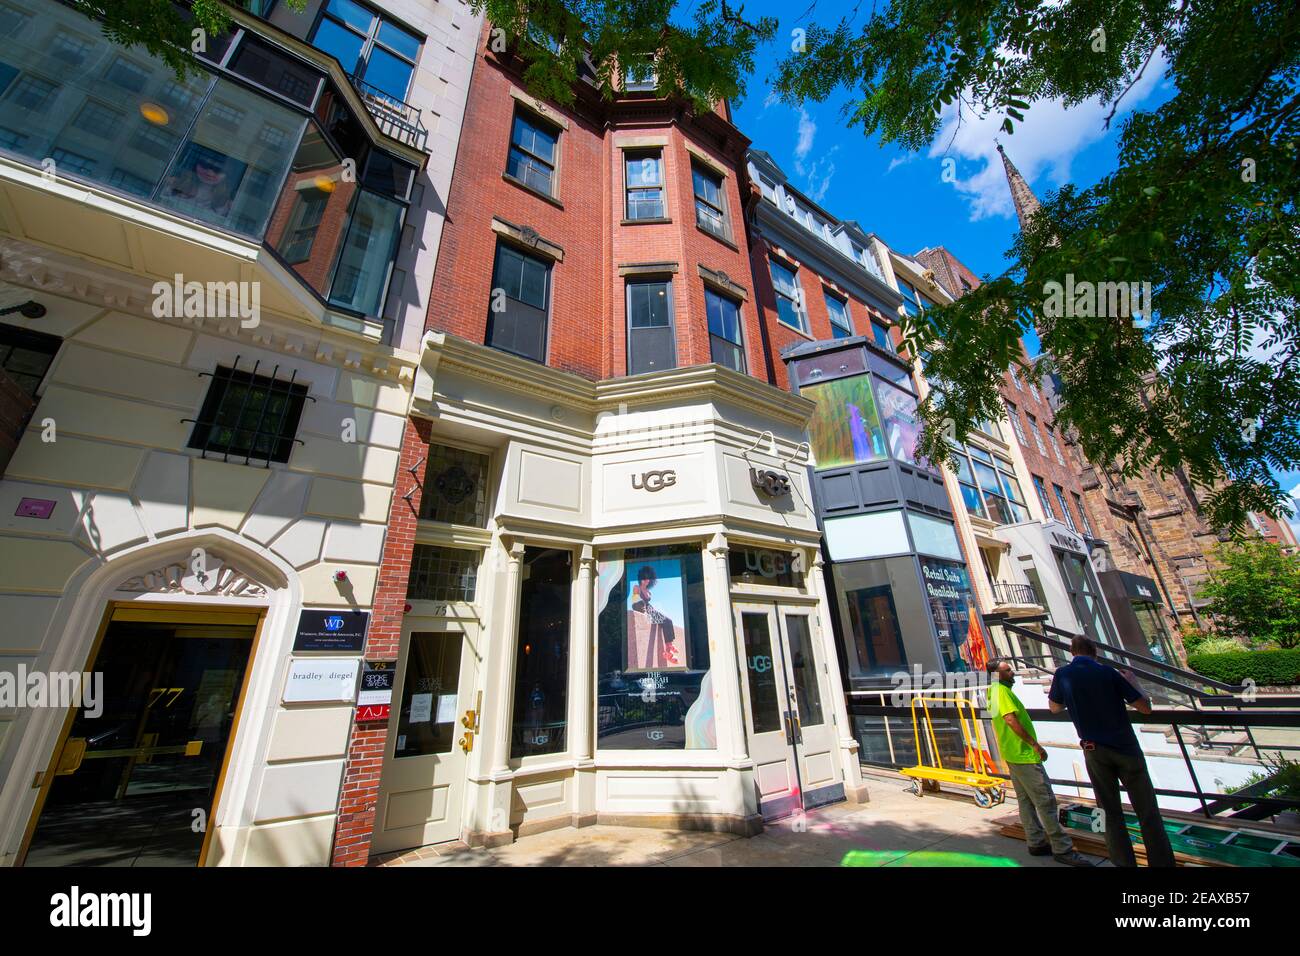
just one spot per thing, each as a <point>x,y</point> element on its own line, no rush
<point>895,829</point>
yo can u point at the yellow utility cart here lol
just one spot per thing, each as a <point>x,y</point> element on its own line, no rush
<point>978,774</point>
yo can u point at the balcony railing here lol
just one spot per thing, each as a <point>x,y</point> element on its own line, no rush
<point>396,118</point>
<point>1023,594</point>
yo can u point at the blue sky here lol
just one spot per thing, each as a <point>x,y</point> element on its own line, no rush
<point>918,200</point>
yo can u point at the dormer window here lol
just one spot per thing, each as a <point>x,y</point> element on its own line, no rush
<point>640,79</point>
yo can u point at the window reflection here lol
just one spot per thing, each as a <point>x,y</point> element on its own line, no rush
<point>209,149</point>
<point>226,164</point>
<point>540,715</point>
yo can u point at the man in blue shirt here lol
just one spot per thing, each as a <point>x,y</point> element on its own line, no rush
<point>1096,697</point>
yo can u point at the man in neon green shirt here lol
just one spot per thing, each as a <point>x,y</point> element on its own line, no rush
<point>1024,756</point>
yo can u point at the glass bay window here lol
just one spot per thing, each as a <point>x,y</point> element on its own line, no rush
<point>250,143</point>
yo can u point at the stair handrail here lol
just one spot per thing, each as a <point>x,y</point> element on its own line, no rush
<point>1174,669</point>
<point>1192,692</point>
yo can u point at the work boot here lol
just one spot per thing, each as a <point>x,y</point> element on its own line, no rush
<point>1072,858</point>
<point>1043,850</point>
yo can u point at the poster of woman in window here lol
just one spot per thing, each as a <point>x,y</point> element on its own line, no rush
<point>655,612</point>
<point>203,182</point>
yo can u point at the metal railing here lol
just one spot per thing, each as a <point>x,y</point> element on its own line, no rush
<point>1233,710</point>
<point>396,118</point>
<point>1252,802</point>
<point>1147,668</point>
<point>1005,593</point>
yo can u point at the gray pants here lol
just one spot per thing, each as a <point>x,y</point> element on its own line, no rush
<point>1038,807</point>
<point>1107,769</point>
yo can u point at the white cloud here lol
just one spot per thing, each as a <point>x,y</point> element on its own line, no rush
<point>1295,492</point>
<point>817,172</point>
<point>1046,142</point>
<point>901,161</point>
<point>803,146</point>
<point>818,175</point>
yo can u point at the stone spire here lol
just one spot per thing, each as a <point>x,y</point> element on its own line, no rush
<point>1023,197</point>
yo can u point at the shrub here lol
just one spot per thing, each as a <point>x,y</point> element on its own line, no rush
<point>1265,668</point>
<point>1284,773</point>
<point>1255,593</point>
<point>1217,645</point>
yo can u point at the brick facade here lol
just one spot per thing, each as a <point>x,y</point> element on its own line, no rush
<point>779,336</point>
<point>587,316</point>
<point>587,323</point>
<point>368,741</point>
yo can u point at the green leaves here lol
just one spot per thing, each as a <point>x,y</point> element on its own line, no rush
<point>1255,593</point>
<point>1217,238</point>
<point>162,27</point>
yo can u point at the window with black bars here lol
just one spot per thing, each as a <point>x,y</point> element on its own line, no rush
<point>25,356</point>
<point>442,574</point>
<point>249,415</point>
<point>455,487</point>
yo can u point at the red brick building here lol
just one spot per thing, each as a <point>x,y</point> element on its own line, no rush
<point>816,277</point>
<point>610,199</point>
<point>593,384</point>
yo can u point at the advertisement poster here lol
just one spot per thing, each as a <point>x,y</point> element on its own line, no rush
<point>844,428</point>
<point>656,612</point>
<point>898,413</point>
<point>947,590</point>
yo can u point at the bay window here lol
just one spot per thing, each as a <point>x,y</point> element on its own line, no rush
<point>260,157</point>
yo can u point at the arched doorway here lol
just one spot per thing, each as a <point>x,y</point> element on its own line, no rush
<point>140,761</point>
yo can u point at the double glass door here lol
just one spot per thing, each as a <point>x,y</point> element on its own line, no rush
<point>788,708</point>
<point>135,778</point>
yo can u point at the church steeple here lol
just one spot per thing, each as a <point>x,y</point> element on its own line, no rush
<point>1025,201</point>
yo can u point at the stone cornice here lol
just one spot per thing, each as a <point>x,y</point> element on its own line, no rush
<point>704,382</point>
<point>55,273</point>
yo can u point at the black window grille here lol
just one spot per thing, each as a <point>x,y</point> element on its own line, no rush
<point>249,415</point>
<point>442,574</point>
<point>25,356</point>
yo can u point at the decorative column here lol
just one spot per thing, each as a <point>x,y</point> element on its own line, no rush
<point>581,662</point>
<point>507,638</point>
<point>582,702</point>
<point>498,707</point>
<point>727,672</point>
<point>850,765</point>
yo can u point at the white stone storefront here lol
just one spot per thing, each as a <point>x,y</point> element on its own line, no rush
<point>112,519</point>
<point>641,608</point>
